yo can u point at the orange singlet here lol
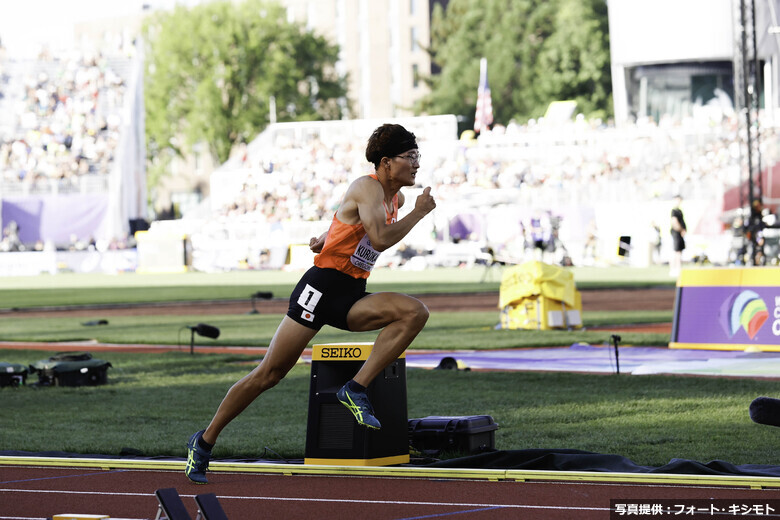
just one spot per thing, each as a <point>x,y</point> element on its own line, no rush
<point>347,247</point>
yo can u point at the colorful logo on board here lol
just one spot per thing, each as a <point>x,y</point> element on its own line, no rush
<point>744,310</point>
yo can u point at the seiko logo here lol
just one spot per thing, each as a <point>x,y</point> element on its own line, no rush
<point>342,352</point>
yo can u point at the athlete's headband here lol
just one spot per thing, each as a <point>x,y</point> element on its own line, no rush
<point>396,147</point>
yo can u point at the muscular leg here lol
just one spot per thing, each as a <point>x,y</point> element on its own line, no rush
<point>400,317</point>
<point>283,352</point>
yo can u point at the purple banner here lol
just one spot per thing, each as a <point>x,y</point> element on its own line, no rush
<point>57,217</point>
<point>465,227</point>
<point>729,315</point>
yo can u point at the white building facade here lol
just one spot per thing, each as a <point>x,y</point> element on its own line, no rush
<point>671,56</point>
<point>382,46</point>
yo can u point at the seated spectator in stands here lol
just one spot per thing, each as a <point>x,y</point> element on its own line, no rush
<point>67,126</point>
<point>11,241</point>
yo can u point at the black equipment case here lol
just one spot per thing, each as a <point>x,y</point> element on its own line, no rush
<point>71,369</point>
<point>12,374</point>
<point>464,434</point>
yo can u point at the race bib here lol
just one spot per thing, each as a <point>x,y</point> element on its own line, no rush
<point>364,256</point>
<point>309,298</point>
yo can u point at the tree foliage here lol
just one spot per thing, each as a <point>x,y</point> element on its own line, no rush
<point>213,69</point>
<point>538,51</point>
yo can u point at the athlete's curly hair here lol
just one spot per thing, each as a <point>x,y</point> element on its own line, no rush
<point>389,140</point>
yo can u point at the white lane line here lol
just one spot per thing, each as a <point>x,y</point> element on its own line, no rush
<point>331,500</point>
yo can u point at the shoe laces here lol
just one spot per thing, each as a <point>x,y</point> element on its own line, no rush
<point>200,457</point>
<point>362,401</point>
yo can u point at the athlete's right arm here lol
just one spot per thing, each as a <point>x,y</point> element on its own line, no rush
<point>368,199</point>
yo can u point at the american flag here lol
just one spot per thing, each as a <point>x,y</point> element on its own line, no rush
<point>484,115</point>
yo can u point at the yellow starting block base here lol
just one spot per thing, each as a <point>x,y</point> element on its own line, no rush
<point>75,516</point>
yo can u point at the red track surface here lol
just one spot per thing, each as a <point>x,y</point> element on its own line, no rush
<point>33,493</point>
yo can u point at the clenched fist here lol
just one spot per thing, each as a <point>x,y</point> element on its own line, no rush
<point>316,243</point>
<point>425,202</point>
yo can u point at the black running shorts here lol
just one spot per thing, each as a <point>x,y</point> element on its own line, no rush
<point>324,297</point>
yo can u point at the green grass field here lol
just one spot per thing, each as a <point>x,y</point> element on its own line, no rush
<point>153,402</point>
<point>81,289</point>
<point>472,330</point>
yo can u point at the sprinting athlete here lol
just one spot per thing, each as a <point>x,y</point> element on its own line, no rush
<point>333,291</point>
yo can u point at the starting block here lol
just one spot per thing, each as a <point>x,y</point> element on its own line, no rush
<point>171,507</point>
<point>209,507</point>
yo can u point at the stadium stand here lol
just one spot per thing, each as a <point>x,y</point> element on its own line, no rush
<point>581,163</point>
<point>580,177</point>
<point>589,183</point>
<point>61,128</point>
<point>66,128</point>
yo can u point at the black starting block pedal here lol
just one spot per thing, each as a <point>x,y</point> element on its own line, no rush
<point>209,507</point>
<point>171,507</point>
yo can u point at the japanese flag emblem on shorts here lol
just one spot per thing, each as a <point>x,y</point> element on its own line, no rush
<point>308,316</point>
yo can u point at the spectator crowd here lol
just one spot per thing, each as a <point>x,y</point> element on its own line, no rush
<point>65,122</point>
<point>646,160</point>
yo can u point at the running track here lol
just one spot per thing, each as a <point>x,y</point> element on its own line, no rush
<point>36,488</point>
<point>39,488</point>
